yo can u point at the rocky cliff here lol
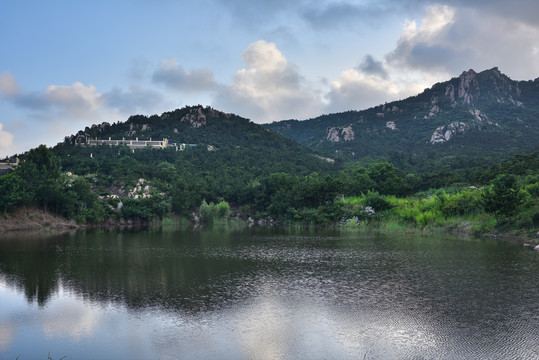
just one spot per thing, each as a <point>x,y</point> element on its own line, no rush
<point>477,112</point>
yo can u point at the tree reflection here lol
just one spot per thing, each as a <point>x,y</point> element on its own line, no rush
<point>125,267</point>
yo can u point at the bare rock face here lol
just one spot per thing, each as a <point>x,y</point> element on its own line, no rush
<point>104,126</point>
<point>391,125</point>
<point>80,138</point>
<point>336,134</point>
<point>435,109</point>
<point>445,133</point>
<point>196,118</point>
<point>332,134</point>
<point>467,84</point>
<point>487,84</point>
<point>348,133</point>
<point>450,93</point>
<point>326,159</point>
<point>140,191</point>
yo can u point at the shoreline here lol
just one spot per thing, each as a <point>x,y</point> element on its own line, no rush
<point>34,220</point>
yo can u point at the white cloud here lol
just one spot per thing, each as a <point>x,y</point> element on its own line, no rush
<point>453,39</point>
<point>73,100</point>
<point>133,101</point>
<point>375,82</point>
<point>68,318</point>
<point>426,46</point>
<point>268,88</point>
<point>174,76</point>
<point>76,99</point>
<point>6,138</point>
<point>357,91</point>
<point>446,42</point>
<point>8,85</point>
<point>58,111</point>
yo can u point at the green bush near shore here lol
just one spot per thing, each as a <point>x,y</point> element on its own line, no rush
<point>464,211</point>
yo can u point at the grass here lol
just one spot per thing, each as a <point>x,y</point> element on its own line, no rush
<point>459,212</point>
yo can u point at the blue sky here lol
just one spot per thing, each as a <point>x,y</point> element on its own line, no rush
<point>65,65</point>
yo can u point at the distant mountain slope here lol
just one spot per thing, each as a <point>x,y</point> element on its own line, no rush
<point>219,141</point>
<point>475,114</point>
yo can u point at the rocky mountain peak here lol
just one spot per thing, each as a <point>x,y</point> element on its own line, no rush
<point>198,115</point>
<point>468,87</point>
<point>489,84</point>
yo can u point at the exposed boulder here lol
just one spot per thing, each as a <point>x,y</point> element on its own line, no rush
<point>104,126</point>
<point>332,134</point>
<point>481,119</point>
<point>336,134</point>
<point>391,125</point>
<point>329,160</point>
<point>445,133</point>
<point>196,117</point>
<point>450,93</point>
<point>467,85</point>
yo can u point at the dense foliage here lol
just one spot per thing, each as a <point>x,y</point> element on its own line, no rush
<point>250,172</point>
<point>478,117</point>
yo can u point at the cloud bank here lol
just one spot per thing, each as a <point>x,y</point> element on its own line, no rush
<point>267,81</point>
<point>171,74</point>
<point>269,87</point>
<point>6,141</point>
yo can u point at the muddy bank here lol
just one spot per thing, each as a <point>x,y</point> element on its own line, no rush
<point>38,220</point>
<point>32,219</point>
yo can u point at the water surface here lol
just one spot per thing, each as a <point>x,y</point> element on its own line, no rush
<point>266,294</point>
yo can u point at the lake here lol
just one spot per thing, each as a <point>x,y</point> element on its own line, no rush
<point>266,294</point>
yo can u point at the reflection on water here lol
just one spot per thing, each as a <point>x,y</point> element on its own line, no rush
<point>266,295</point>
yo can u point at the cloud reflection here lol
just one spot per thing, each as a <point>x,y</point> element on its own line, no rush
<point>69,317</point>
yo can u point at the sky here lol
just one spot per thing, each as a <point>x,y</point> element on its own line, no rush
<point>68,64</point>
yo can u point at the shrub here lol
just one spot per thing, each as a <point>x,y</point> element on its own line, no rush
<point>464,203</point>
<point>503,197</point>
<point>533,189</point>
<point>377,202</point>
<point>210,212</point>
<point>426,218</point>
<point>222,210</point>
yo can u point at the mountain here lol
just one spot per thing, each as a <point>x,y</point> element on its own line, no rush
<point>217,137</point>
<point>483,114</point>
<point>195,153</point>
<point>197,161</point>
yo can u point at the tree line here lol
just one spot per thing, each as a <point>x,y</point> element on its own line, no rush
<point>68,181</point>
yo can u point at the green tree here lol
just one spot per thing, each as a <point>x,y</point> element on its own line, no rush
<point>166,172</point>
<point>10,187</point>
<point>360,182</point>
<point>40,173</point>
<point>210,212</point>
<point>281,193</point>
<point>386,178</point>
<point>503,196</point>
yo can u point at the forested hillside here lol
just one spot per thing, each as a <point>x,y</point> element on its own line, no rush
<point>218,166</point>
<point>463,122</point>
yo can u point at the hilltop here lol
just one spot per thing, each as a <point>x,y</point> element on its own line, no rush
<point>483,114</point>
<point>218,139</point>
<point>201,164</point>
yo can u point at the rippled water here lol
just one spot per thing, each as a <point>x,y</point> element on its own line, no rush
<point>266,294</point>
